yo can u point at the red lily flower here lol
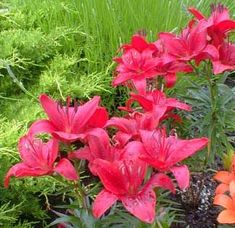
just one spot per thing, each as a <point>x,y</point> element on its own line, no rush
<point>163,153</point>
<point>135,66</point>
<point>188,45</point>
<point>137,63</point>
<point>129,127</point>
<point>123,180</point>
<point>168,67</point>
<point>39,160</point>
<point>218,24</point>
<point>226,61</point>
<point>138,43</point>
<point>158,104</point>
<point>191,44</point>
<point>66,123</point>
<point>98,147</point>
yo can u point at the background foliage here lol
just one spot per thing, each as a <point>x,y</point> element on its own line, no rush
<point>66,48</point>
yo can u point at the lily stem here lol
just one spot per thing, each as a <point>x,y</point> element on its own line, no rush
<point>81,195</point>
<point>213,114</point>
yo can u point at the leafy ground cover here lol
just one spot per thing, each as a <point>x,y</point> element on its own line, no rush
<point>66,48</point>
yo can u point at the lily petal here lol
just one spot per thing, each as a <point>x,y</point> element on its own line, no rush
<point>22,170</point>
<point>82,153</point>
<point>170,79</point>
<point>185,148</point>
<point>122,124</point>
<point>196,13</point>
<point>41,126</point>
<point>160,180</point>
<point>226,216</point>
<point>224,201</point>
<point>50,151</point>
<point>224,177</point>
<point>232,190</point>
<point>221,189</point>
<point>103,201</point>
<point>219,67</point>
<point>139,43</point>
<point>141,206</point>
<point>85,112</point>
<point>110,176</point>
<point>140,84</point>
<point>52,110</point>
<point>226,25</point>
<point>99,118</point>
<point>66,137</point>
<point>66,169</point>
<point>182,176</point>
<point>145,103</point>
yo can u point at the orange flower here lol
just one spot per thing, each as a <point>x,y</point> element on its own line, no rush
<point>228,202</point>
<point>225,177</point>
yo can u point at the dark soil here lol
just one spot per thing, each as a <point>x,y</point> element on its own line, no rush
<point>197,202</point>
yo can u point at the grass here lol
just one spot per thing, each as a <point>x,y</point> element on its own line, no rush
<point>62,47</point>
<point>65,47</point>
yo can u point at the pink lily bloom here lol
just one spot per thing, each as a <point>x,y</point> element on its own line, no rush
<point>226,61</point>
<point>163,153</point>
<point>138,43</point>
<point>186,46</point>
<point>69,123</point>
<point>158,104</point>
<point>128,128</point>
<point>38,159</point>
<point>99,146</point>
<point>123,180</point>
<point>137,67</point>
<point>218,24</point>
<point>168,67</point>
<point>191,44</point>
<point>137,63</point>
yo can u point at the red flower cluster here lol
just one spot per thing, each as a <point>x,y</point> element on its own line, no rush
<point>122,162</point>
<point>140,142</point>
<point>65,124</point>
<point>203,39</point>
<point>138,157</point>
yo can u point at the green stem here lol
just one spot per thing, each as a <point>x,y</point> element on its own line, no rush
<point>82,195</point>
<point>213,118</point>
<point>78,190</point>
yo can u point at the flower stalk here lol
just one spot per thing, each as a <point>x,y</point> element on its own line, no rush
<point>213,89</point>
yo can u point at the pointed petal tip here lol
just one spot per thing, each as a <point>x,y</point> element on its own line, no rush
<point>43,97</point>
<point>66,169</point>
<point>196,13</point>
<point>142,206</point>
<point>102,203</point>
<point>7,180</point>
<point>96,98</point>
<point>224,201</point>
<point>226,217</point>
<point>182,176</point>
